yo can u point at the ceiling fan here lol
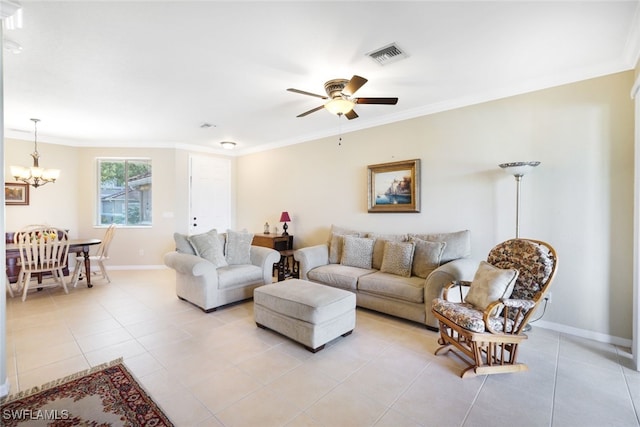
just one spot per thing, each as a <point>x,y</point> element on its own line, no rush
<point>340,97</point>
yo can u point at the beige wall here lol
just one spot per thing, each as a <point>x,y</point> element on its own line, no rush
<point>131,246</point>
<point>579,199</point>
<point>71,202</point>
<point>54,204</point>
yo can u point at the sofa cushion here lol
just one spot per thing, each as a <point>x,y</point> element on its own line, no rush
<point>458,244</point>
<point>209,246</point>
<point>426,256</point>
<point>182,244</point>
<point>397,258</point>
<point>467,316</point>
<point>391,285</point>
<point>336,242</point>
<point>233,276</point>
<point>378,247</point>
<point>357,252</point>
<point>238,247</point>
<point>490,284</point>
<point>337,275</point>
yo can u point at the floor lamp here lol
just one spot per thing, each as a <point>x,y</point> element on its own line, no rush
<point>518,170</point>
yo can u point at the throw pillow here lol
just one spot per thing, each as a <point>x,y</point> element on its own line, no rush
<point>490,284</point>
<point>239,247</point>
<point>426,256</point>
<point>182,244</point>
<point>397,258</point>
<point>336,242</point>
<point>357,252</point>
<point>378,246</point>
<point>209,247</point>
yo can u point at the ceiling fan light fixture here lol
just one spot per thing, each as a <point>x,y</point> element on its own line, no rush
<point>339,106</point>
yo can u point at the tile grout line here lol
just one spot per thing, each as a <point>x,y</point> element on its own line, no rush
<point>390,407</point>
<point>555,381</point>
<point>626,381</point>
<point>475,399</point>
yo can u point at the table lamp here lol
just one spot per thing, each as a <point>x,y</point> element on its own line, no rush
<point>284,217</point>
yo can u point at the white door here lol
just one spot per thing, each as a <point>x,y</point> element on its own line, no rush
<point>209,194</point>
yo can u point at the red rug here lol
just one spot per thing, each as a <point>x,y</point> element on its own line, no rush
<point>106,395</point>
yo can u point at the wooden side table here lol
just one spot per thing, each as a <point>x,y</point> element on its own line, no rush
<point>273,241</point>
<point>287,267</point>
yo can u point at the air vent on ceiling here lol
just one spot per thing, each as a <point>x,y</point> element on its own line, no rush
<point>387,54</point>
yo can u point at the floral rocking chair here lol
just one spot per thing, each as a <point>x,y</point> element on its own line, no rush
<point>487,326</point>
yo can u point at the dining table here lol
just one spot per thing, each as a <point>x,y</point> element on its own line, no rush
<point>76,246</point>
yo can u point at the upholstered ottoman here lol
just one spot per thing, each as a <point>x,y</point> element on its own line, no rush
<point>306,312</point>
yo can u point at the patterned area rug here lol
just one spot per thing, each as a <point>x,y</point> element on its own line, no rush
<point>106,395</point>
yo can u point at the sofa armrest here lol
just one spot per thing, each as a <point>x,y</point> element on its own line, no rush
<point>462,269</point>
<point>311,257</point>
<point>264,258</point>
<point>189,264</point>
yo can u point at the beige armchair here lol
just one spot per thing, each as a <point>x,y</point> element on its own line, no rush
<point>212,275</point>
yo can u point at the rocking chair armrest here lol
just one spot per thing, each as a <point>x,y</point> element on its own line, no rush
<point>499,309</point>
<point>455,284</point>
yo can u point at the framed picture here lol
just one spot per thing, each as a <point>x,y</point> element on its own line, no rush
<point>16,193</point>
<point>394,187</point>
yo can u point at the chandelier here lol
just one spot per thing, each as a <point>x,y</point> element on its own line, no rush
<point>35,175</point>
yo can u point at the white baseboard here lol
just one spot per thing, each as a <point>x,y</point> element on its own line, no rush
<point>596,336</point>
<point>136,267</point>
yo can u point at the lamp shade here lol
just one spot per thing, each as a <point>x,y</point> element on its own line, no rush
<point>284,217</point>
<point>518,168</point>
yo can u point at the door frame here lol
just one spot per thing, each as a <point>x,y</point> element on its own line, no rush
<point>635,343</point>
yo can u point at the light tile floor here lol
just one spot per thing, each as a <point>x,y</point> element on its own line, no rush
<point>219,369</point>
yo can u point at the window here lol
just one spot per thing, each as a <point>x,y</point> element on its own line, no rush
<point>124,192</point>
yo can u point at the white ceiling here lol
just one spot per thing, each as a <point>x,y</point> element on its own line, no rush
<point>149,73</point>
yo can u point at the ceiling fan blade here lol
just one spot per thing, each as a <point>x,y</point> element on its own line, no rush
<point>354,84</point>
<point>386,101</point>
<point>351,115</point>
<point>310,111</point>
<point>307,93</point>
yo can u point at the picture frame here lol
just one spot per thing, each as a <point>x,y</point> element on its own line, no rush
<point>394,187</point>
<point>16,194</point>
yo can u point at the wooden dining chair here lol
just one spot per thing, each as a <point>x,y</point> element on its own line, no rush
<point>42,250</point>
<point>100,256</point>
<point>9,287</point>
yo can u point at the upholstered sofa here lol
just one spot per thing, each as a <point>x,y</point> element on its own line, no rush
<point>396,274</point>
<point>214,269</point>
